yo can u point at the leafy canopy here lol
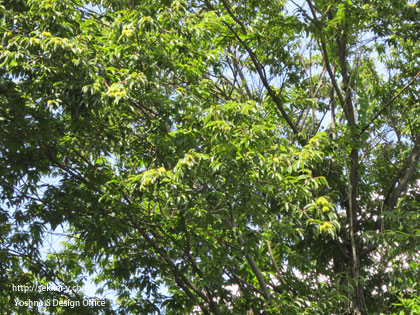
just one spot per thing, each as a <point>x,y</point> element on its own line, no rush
<point>219,157</point>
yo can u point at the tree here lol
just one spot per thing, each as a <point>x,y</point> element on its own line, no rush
<point>212,156</point>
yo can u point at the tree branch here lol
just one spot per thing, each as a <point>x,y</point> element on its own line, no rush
<point>409,167</point>
<point>256,64</point>
<point>324,53</point>
<point>391,197</point>
<point>389,103</point>
<point>273,260</point>
<point>255,269</point>
<point>182,280</point>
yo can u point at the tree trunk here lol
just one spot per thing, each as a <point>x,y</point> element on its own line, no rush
<point>357,298</point>
<point>356,301</point>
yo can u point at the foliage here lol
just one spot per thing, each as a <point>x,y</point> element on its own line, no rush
<point>238,157</point>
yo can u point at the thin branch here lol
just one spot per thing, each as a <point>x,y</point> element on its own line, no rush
<point>72,172</point>
<point>256,63</point>
<point>256,270</point>
<point>391,197</point>
<point>324,52</point>
<point>389,103</point>
<point>241,74</point>
<point>182,280</point>
<point>273,260</point>
<point>409,167</point>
